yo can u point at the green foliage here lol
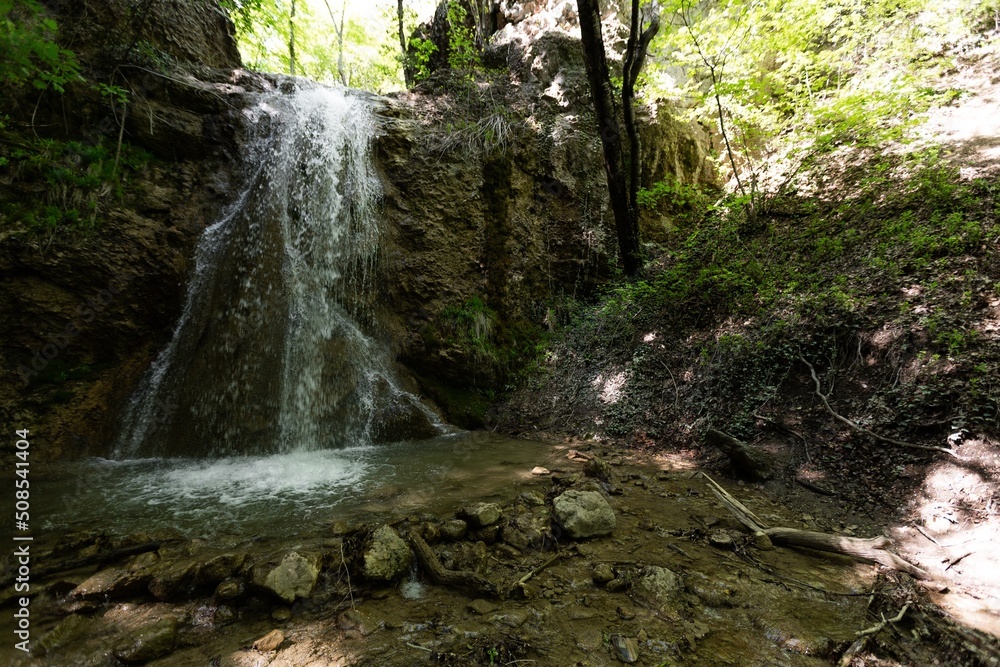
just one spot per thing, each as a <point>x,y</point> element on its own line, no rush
<point>423,50</point>
<point>370,48</point>
<point>472,325</point>
<point>890,277</point>
<point>114,94</point>
<point>687,203</point>
<point>819,72</point>
<point>463,56</point>
<point>28,49</point>
<point>80,182</point>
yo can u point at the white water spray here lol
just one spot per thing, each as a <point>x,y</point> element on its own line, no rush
<point>272,352</point>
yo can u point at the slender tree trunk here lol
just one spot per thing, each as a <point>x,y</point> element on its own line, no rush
<point>622,169</point>
<point>339,29</point>
<point>340,44</point>
<point>407,68</point>
<point>635,57</point>
<point>291,40</point>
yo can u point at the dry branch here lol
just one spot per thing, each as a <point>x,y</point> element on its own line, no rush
<point>677,392</point>
<point>860,429</point>
<point>747,461</point>
<point>869,549</point>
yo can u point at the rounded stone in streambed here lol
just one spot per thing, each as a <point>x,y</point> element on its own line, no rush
<point>388,558</point>
<point>584,514</point>
<point>480,515</point>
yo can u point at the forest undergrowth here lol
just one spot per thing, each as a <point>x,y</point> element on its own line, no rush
<point>874,265</point>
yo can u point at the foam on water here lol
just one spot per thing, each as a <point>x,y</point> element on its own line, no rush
<point>301,491</point>
<point>234,494</point>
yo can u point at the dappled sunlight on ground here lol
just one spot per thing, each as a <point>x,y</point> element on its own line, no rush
<point>970,131</point>
<point>952,529</point>
<point>611,387</point>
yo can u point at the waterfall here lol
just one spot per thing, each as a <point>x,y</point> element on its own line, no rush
<point>272,353</point>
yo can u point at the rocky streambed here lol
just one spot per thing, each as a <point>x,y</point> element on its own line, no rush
<point>582,556</point>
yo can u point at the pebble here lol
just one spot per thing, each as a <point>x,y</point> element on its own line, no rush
<point>721,539</point>
<point>481,607</point>
<point>223,615</point>
<point>603,573</point>
<point>539,470</point>
<point>481,515</point>
<point>616,585</point>
<point>230,589</point>
<point>531,499</point>
<point>627,648</point>
<point>454,529</point>
<point>625,613</point>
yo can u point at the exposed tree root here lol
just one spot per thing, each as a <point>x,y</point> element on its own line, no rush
<point>860,429</point>
<point>440,575</point>
<point>747,461</point>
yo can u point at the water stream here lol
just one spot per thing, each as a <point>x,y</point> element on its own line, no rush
<point>277,495</point>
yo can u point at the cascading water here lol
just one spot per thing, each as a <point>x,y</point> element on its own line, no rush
<point>266,402</point>
<point>270,354</point>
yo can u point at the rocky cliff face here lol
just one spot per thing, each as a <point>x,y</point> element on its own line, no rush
<point>495,216</point>
<point>496,207</point>
<point>87,306</point>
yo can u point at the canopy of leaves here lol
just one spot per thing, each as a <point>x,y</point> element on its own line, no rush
<point>351,42</point>
<point>833,70</point>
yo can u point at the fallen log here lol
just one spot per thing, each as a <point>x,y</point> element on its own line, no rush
<point>870,549</point>
<point>442,576</point>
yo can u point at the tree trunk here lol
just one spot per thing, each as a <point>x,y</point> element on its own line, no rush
<point>407,67</point>
<point>291,40</point>
<point>621,189</point>
<point>635,56</point>
<point>339,29</point>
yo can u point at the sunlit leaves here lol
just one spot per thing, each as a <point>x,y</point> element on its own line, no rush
<point>839,70</point>
<point>371,53</point>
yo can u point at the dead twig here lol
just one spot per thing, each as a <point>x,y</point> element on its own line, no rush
<point>878,626</point>
<point>959,560</point>
<point>814,487</point>
<point>347,570</point>
<point>926,534</point>
<point>860,429</point>
<point>523,580</point>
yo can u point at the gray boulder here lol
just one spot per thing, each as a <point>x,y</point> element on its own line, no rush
<point>294,577</point>
<point>583,514</point>
<point>389,557</point>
